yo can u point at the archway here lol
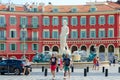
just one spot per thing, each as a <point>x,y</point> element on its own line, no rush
<point>102,53</point>
<point>92,48</point>
<point>110,52</point>
<point>83,48</point>
<point>46,48</point>
<point>55,48</point>
<point>74,48</point>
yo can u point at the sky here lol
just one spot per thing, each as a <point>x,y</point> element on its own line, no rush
<point>54,2</point>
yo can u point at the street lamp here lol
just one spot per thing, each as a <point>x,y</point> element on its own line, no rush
<point>24,37</point>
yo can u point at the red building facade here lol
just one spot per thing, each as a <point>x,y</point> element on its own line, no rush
<point>26,29</point>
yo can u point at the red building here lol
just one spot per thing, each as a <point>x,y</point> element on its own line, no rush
<point>26,29</point>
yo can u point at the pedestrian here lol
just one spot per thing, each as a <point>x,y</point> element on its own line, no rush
<point>60,63</point>
<point>97,63</point>
<point>66,63</point>
<point>53,64</point>
<point>94,63</point>
<point>27,66</point>
<point>113,60</point>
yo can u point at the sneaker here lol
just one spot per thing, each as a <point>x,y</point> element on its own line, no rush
<point>53,78</point>
<point>65,77</point>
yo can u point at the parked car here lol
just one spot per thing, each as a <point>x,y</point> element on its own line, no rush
<point>12,66</point>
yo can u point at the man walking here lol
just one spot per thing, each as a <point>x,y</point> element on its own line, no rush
<point>53,63</point>
<point>66,63</point>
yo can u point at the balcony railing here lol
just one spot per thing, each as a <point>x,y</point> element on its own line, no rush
<point>3,26</point>
<point>33,26</point>
<point>23,26</point>
<point>3,38</point>
<point>35,39</point>
<point>29,39</point>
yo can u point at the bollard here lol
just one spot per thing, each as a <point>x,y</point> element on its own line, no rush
<point>106,72</point>
<point>42,68</point>
<point>45,72</point>
<point>57,69</point>
<point>72,69</point>
<point>85,72</point>
<point>103,69</point>
<point>118,69</point>
<point>87,69</point>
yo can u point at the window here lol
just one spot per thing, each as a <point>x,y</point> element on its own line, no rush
<point>64,18</point>
<point>55,21</point>
<point>110,33</point>
<point>12,9</point>
<point>55,34</point>
<point>34,10</point>
<point>102,20</point>
<point>12,47</point>
<point>23,21</point>
<point>2,34</point>
<point>12,20</point>
<point>74,34</point>
<point>23,47</point>
<point>92,20</point>
<point>101,33</point>
<point>2,21</point>
<point>46,21</point>
<point>83,34</point>
<point>74,10</point>
<point>2,46</point>
<point>23,34</point>
<point>34,46</point>
<point>55,10</point>
<point>83,20</point>
<point>92,34</point>
<point>34,35</point>
<point>46,34</point>
<point>111,19</point>
<point>74,21</point>
<point>13,34</point>
<point>34,22</point>
<point>93,9</point>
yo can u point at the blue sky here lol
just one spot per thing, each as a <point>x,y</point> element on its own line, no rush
<point>54,2</point>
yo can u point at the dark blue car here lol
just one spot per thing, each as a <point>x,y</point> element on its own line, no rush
<point>11,66</point>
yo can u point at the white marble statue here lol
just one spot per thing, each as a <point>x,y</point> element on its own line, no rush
<point>63,37</point>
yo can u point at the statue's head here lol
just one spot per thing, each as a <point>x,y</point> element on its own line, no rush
<point>64,23</point>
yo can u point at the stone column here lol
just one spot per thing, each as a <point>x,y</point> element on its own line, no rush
<point>88,51</point>
<point>106,54</point>
<point>117,52</point>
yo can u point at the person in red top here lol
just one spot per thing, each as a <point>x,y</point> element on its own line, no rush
<point>94,63</point>
<point>53,64</point>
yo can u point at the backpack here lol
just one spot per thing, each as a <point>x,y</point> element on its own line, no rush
<point>67,62</point>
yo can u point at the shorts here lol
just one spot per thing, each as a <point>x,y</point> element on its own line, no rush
<point>66,68</point>
<point>53,67</point>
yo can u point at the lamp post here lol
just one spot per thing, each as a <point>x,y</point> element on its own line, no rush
<point>24,47</point>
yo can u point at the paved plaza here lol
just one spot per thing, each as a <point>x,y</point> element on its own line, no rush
<point>78,74</point>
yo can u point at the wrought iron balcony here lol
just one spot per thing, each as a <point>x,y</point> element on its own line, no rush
<point>3,26</point>
<point>23,39</point>
<point>23,26</point>
<point>33,26</point>
<point>35,39</point>
<point>3,38</point>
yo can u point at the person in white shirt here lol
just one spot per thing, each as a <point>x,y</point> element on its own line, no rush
<point>27,66</point>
